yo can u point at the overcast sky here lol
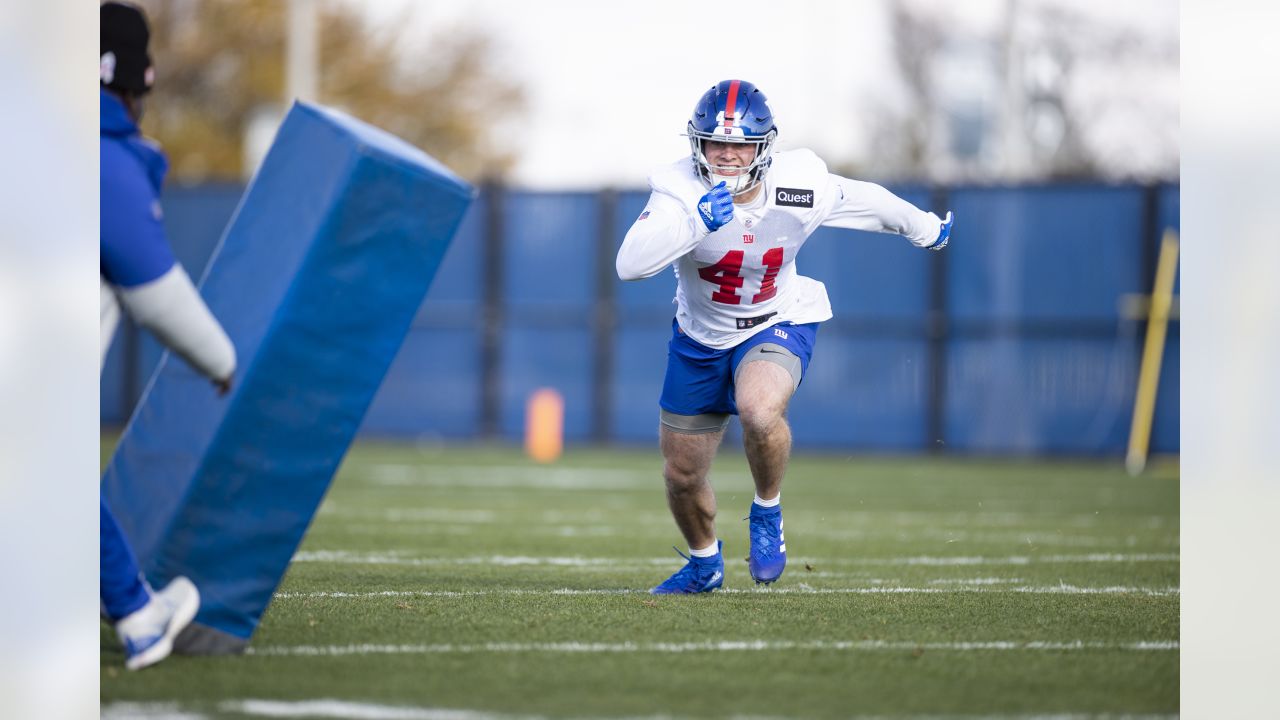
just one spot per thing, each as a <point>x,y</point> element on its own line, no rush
<point>611,85</point>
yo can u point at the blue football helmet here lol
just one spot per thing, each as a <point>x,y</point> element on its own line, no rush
<point>732,111</point>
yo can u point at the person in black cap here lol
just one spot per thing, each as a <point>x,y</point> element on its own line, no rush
<point>139,272</point>
<point>125,66</point>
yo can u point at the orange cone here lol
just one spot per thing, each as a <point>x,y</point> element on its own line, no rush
<point>544,425</point>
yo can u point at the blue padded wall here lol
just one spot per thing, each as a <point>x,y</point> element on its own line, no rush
<point>432,390</point>
<point>316,281</point>
<point>867,386</point>
<point>1043,253</point>
<point>555,357</point>
<point>644,310</point>
<point>862,392</point>
<point>1021,396</point>
<point>549,287</point>
<point>1038,359</point>
<point>199,216</point>
<point>640,352</point>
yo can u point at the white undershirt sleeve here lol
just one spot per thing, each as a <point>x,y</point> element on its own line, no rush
<point>664,232</point>
<point>858,205</point>
<point>172,309</point>
<point>109,318</point>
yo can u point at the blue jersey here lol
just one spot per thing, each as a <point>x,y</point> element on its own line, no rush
<point>134,250</point>
<point>137,264</point>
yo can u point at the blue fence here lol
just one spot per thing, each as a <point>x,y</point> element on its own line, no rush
<point>1012,341</point>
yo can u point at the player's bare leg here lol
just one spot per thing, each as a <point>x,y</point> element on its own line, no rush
<point>763,391</point>
<point>687,462</point>
<point>693,505</point>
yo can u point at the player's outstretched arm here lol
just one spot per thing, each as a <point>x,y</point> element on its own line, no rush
<point>664,232</point>
<point>172,309</point>
<point>859,205</point>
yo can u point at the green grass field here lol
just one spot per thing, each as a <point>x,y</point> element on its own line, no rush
<point>461,584</point>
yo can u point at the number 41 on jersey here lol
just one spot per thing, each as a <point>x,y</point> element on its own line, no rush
<point>726,273</point>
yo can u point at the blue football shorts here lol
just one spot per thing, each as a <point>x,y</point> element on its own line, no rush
<point>701,379</point>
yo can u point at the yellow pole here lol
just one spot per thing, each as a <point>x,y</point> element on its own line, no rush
<point>1144,405</point>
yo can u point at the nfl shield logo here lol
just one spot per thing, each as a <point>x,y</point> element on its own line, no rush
<point>748,238</point>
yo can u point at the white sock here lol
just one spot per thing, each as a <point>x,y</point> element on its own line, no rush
<point>706,552</point>
<point>777,500</point>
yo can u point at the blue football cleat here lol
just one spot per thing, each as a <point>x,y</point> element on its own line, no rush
<point>768,546</point>
<point>699,575</point>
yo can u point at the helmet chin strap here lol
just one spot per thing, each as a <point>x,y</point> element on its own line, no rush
<point>745,179</point>
<point>736,184</point>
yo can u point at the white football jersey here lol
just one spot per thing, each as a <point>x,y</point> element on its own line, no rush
<point>742,278</point>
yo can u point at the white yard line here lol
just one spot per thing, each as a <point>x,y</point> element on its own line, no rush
<point>446,593</point>
<point>721,646</point>
<point>1006,560</point>
<point>796,590</point>
<point>395,558</point>
<point>384,529</point>
<point>841,523</point>
<point>999,537</point>
<point>972,581</point>
<point>398,558</point>
<point>978,517</point>
<point>557,478</point>
<point>429,521</point>
<point>351,710</point>
<point>1040,716</point>
<point>148,711</point>
<point>395,527</point>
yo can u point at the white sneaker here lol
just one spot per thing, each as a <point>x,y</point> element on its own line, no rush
<point>148,633</point>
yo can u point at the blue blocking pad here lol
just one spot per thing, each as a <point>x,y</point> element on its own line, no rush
<point>316,280</point>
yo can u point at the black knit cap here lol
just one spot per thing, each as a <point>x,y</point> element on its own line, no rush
<point>125,65</point>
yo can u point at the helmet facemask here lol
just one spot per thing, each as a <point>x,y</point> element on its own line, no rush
<point>738,179</point>
<point>732,111</point>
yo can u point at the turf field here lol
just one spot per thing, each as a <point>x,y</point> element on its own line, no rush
<point>460,584</point>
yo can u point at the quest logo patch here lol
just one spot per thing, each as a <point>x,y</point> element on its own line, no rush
<point>793,197</point>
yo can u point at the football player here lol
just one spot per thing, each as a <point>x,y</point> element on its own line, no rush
<point>732,218</point>
<point>138,269</point>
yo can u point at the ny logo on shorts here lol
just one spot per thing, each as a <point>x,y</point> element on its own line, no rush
<point>780,333</point>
